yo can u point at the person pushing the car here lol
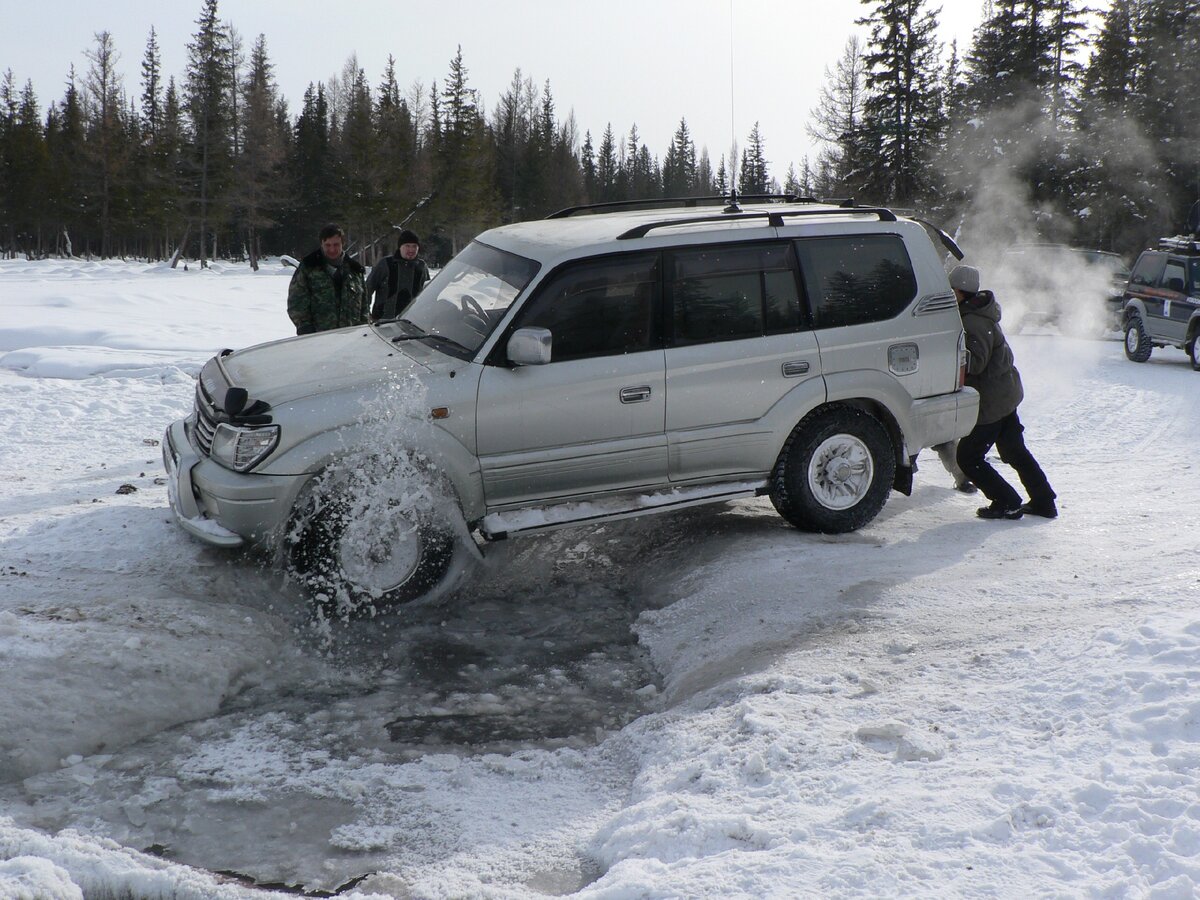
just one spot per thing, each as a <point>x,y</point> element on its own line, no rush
<point>991,370</point>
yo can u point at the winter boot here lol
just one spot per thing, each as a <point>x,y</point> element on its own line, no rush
<point>999,511</point>
<point>1044,508</point>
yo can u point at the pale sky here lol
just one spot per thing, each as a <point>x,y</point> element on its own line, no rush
<point>647,62</point>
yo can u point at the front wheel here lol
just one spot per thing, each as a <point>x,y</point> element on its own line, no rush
<point>354,560</point>
<point>1137,342</point>
<point>1194,352</point>
<point>835,471</point>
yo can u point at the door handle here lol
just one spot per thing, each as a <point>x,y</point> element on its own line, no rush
<point>792,369</point>
<point>635,394</point>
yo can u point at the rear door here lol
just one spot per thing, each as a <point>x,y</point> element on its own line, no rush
<point>1175,310</point>
<point>859,287</point>
<point>592,419</point>
<point>738,342</point>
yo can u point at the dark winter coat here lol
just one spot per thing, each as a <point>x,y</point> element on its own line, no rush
<point>322,297</point>
<point>393,282</point>
<point>990,365</point>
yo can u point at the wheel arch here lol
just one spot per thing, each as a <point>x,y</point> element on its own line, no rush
<point>1133,306</point>
<point>445,452</point>
<point>884,398</point>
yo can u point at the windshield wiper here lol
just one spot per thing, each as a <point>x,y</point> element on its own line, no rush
<point>414,333</point>
<point>449,341</point>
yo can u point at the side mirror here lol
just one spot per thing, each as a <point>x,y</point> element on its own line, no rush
<point>530,347</point>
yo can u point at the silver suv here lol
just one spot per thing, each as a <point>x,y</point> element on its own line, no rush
<point>590,366</point>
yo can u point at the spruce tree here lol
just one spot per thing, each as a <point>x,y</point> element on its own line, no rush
<point>462,169</point>
<point>206,102</point>
<point>264,144</point>
<point>29,173</point>
<point>510,136</point>
<point>587,159</point>
<point>105,123</point>
<point>311,170</point>
<point>753,177</point>
<point>904,115</point>
<point>10,171</point>
<point>152,86</point>
<point>679,164</point>
<point>607,171</point>
<point>395,151</point>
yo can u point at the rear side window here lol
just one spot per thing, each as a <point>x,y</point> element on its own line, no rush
<point>601,308</point>
<point>1174,276</point>
<point>1147,269</point>
<point>854,279</point>
<point>726,293</point>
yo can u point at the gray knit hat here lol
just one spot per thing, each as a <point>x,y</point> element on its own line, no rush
<point>965,278</point>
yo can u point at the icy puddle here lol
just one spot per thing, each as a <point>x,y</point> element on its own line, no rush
<point>318,777</point>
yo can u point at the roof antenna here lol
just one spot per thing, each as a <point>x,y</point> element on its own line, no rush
<point>732,121</point>
<point>734,206</point>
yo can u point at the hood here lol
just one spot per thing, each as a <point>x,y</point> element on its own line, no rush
<point>982,304</point>
<point>291,369</point>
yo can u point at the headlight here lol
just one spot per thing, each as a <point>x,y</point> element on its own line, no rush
<point>241,449</point>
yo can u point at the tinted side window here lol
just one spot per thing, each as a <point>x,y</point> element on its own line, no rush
<point>1147,269</point>
<point>853,279</point>
<point>601,308</point>
<point>726,293</point>
<point>1174,276</point>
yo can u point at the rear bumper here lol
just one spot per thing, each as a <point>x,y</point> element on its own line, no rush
<point>946,417</point>
<point>221,507</point>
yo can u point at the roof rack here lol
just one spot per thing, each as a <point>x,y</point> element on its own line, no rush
<point>1180,244</point>
<point>775,218</point>
<point>675,202</point>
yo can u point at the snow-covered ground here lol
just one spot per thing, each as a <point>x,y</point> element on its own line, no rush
<point>702,704</point>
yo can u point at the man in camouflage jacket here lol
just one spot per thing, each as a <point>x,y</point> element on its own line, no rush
<point>327,289</point>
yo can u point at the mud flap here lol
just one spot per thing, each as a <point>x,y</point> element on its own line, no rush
<point>903,482</point>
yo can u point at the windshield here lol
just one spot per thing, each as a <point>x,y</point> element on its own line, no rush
<point>458,309</point>
<point>1105,260</point>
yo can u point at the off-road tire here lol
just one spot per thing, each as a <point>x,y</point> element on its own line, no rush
<point>314,557</point>
<point>1194,352</point>
<point>835,471</point>
<point>1137,342</point>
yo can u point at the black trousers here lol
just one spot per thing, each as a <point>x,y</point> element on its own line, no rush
<point>1007,436</point>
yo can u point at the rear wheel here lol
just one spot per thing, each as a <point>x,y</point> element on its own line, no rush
<point>1194,352</point>
<point>835,471</point>
<point>1137,342</point>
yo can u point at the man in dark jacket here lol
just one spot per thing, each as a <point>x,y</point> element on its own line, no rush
<point>327,288</point>
<point>396,279</point>
<point>991,371</point>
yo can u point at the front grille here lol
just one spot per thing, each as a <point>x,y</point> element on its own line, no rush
<point>206,424</point>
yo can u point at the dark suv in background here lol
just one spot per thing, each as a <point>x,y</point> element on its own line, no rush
<point>1162,301</point>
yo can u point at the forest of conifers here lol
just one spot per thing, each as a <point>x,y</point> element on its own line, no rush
<point>1058,122</point>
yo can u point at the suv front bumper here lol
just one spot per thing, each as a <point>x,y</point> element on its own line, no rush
<point>219,506</point>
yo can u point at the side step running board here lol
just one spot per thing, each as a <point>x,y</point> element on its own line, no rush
<point>500,525</point>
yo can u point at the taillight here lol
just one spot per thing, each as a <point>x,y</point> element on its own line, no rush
<point>962,359</point>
